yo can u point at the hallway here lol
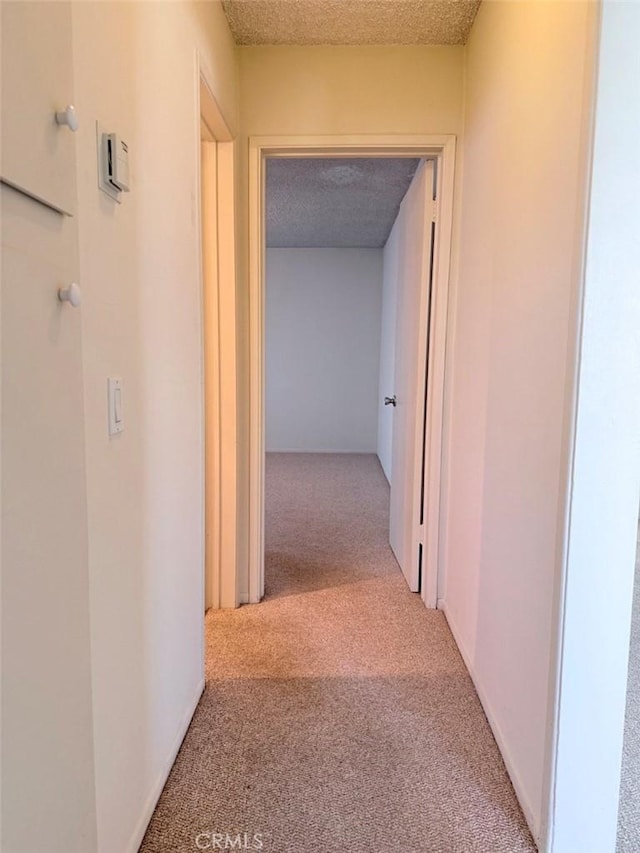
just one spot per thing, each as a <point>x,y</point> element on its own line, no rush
<point>338,714</point>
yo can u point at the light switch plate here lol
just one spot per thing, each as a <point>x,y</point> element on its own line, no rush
<point>116,414</point>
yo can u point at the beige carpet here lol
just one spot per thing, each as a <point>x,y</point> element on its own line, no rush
<point>629,813</point>
<point>338,714</point>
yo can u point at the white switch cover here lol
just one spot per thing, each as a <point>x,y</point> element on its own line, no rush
<point>116,416</point>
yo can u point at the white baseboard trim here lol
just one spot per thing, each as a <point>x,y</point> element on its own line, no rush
<point>154,796</point>
<point>244,598</point>
<point>495,728</point>
<point>331,452</point>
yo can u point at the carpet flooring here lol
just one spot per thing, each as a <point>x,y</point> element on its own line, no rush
<point>629,809</point>
<point>338,714</point>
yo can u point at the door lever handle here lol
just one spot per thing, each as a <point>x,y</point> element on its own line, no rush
<point>390,401</point>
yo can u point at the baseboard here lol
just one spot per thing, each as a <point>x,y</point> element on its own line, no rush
<point>331,452</point>
<point>495,728</point>
<point>154,796</point>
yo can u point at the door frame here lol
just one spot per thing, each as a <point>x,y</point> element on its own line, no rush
<point>218,287</point>
<point>442,149</point>
<point>211,363</point>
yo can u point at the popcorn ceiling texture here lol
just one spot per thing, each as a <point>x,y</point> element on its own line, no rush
<point>350,21</point>
<point>334,203</point>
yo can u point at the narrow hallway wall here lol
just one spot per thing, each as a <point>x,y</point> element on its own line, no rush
<point>512,351</point>
<point>135,71</point>
<point>602,526</point>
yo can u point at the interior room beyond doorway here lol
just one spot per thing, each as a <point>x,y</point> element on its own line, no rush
<point>332,269</point>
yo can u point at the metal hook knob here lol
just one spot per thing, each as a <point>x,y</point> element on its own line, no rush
<point>390,401</point>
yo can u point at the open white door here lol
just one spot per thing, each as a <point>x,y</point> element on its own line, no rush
<point>415,250</point>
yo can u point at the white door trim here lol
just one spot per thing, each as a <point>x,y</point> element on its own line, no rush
<point>442,149</point>
<point>211,366</point>
<point>223,476</point>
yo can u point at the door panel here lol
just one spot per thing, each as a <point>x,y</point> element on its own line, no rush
<point>47,752</point>
<point>38,155</point>
<point>47,739</point>
<point>413,264</point>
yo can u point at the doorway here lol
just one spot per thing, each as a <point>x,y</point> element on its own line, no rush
<point>426,451</point>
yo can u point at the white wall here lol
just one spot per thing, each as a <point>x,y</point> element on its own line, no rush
<point>322,349</point>
<point>606,469</point>
<point>135,72</point>
<point>524,145</point>
<point>390,272</point>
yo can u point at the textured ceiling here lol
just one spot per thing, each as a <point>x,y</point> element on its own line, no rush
<point>337,203</point>
<point>350,21</point>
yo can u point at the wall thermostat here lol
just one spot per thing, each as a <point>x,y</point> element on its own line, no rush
<point>113,164</point>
